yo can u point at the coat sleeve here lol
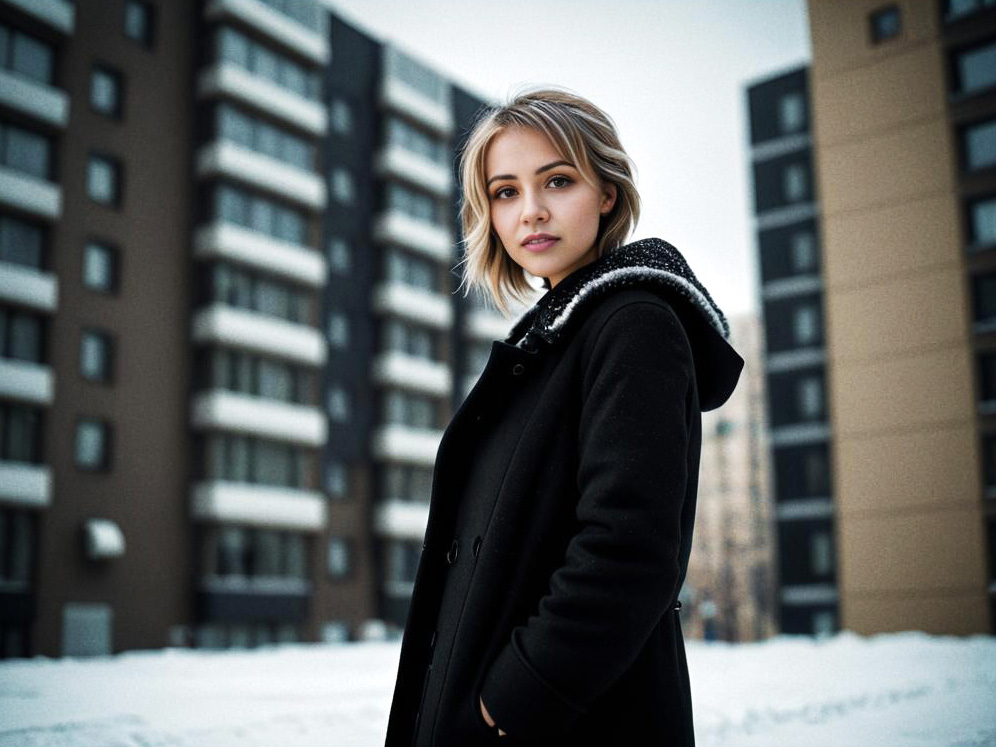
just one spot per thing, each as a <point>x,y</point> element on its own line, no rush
<point>621,568</point>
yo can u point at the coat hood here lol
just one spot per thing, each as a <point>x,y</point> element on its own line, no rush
<point>656,265</point>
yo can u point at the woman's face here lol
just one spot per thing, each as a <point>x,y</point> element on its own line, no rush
<point>545,214</point>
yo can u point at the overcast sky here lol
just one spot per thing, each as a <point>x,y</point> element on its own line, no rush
<point>671,73</point>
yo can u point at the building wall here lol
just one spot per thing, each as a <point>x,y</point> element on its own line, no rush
<point>910,542</point>
<point>143,489</point>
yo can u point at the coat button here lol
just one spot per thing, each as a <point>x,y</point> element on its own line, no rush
<point>518,368</point>
<point>477,546</point>
<point>677,606</point>
<point>451,554</point>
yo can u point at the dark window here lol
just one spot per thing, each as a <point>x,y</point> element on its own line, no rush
<point>261,214</point>
<point>974,69</point>
<point>25,151</point>
<point>808,620</point>
<point>93,444</point>
<point>802,472</point>
<point>103,180</point>
<point>235,47</point>
<point>96,356</point>
<point>416,204</point>
<point>978,145</point>
<point>984,297</point>
<point>783,181</point>
<point>256,553</point>
<point>402,561</point>
<point>340,557</point>
<point>20,433</point>
<point>405,268</point>
<point>987,376</point>
<point>237,371</point>
<point>258,135</point>
<point>106,91</point>
<point>885,24</point>
<point>807,551</point>
<point>955,10</point>
<point>256,461</point>
<point>789,251</point>
<point>21,242</point>
<point>17,540</point>
<point>140,22</point>
<point>989,461</point>
<point>793,323</point>
<point>236,287</point>
<point>100,267</point>
<point>21,335</point>
<point>797,397</point>
<point>26,55</point>
<point>792,114</point>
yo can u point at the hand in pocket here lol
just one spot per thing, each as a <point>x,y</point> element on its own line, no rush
<point>487,717</point>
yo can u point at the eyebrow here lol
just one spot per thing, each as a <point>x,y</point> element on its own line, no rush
<point>540,170</point>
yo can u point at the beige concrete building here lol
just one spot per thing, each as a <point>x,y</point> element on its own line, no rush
<point>730,587</point>
<point>903,111</point>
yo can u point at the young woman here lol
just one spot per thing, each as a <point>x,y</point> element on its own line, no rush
<point>545,608</point>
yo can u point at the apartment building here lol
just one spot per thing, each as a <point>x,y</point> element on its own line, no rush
<point>902,150</point>
<point>229,335</point>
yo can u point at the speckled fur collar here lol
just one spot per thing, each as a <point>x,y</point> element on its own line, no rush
<point>651,263</point>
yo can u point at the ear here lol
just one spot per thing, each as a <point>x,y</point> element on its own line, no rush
<point>608,199</point>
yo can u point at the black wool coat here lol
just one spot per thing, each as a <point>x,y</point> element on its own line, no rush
<point>561,515</point>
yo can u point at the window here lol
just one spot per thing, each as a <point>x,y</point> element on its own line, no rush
<point>340,258</point>
<point>885,24</point>
<point>338,330</point>
<point>17,537</point>
<point>343,187</point>
<point>810,398</point>
<point>975,69</point>
<point>982,221</point>
<point>821,553</point>
<point>795,184</point>
<point>405,408</point>
<point>989,462</point>
<point>400,267</point>
<point>262,137</point>
<point>805,325</point>
<point>979,145</point>
<point>338,404</point>
<point>93,444</point>
<point>824,623</point>
<point>415,141</point>
<point>257,213</point>
<point>236,287</point>
<point>105,91</point>
<point>339,557</point>
<point>234,47</point>
<point>955,10</point>
<point>984,293</point>
<point>21,335</point>
<point>140,22</point>
<point>100,267</point>
<point>25,55</point>
<point>95,356</point>
<point>21,242</point>
<point>341,117</point>
<point>103,180</point>
<point>791,112</point>
<point>803,252</point>
<point>20,433</point>
<point>408,338</point>
<point>402,561</point>
<point>25,151</point>
<point>404,482</point>
<point>336,479</point>
<point>417,205</point>
<point>987,376</point>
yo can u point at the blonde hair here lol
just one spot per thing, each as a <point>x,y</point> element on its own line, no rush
<point>582,134</point>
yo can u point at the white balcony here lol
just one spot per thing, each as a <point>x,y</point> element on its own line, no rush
<point>39,197</point>
<point>59,14</point>
<point>38,100</point>
<point>27,287</point>
<point>486,325</point>
<point>397,95</point>
<point>403,444</point>
<point>26,382</point>
<point>396,227</point>
<point>258,505</point>
<point>301,264</point>
<point>256,416</point>
<point>231,80</point>
<point>288,32</point>
<point>432,309</point>
<point>401,519</point>
<point>25,485</point>
<point>407,371</point>
<point>803,595</point>
<point>238,328</point>
<point>395,161</point>
<point>222,158</point>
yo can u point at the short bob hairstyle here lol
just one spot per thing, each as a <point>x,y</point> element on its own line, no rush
<point>582,134</point>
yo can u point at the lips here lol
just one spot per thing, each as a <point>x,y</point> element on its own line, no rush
<point>537,242</point>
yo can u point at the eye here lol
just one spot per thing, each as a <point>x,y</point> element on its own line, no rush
<point>500,194</point>
<point>559,181</point>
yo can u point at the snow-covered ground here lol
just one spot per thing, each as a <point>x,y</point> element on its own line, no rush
<point>845,691</point>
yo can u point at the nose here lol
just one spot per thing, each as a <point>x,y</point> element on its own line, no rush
<point>534,208</point>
